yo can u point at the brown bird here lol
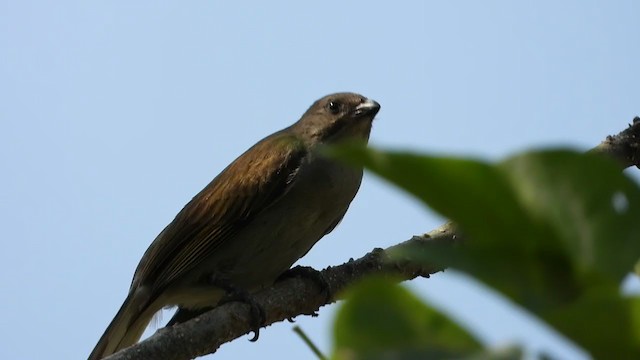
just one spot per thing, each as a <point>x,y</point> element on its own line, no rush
<point>252,222</point>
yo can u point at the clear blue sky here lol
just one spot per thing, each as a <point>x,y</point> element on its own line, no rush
<point>115,113</point>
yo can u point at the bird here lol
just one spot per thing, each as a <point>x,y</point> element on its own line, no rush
<point>252,222</point>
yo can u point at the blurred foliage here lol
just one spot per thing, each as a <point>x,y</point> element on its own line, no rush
<point>554,231</point>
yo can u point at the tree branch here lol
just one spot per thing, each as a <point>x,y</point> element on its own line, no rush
<point>302,296</point>
<point>624,147</point>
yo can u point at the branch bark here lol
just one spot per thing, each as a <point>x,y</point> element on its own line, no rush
<point>623,147</point>
<point>302,296</point>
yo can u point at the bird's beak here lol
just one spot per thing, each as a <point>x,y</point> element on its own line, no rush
<point>367,108</point>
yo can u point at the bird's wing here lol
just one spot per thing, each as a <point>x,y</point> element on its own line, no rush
<point>246,187</point>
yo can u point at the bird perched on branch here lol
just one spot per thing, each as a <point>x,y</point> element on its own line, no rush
<point>251,223</point>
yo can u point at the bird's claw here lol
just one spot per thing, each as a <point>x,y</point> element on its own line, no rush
<point>308,272</point>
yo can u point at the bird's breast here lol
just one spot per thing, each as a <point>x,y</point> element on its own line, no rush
<point>316,200</point>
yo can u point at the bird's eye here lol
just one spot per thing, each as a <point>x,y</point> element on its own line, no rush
<point>334,107</point>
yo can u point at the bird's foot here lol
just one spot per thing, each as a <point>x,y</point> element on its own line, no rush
<point>307,272</point>
<point>257,313</point>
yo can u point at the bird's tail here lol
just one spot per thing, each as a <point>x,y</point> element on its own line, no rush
<point>126,328</point>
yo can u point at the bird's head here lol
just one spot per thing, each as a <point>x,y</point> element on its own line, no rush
<point>337,117</point>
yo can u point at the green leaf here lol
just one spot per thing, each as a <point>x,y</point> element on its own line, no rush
<point>381,319</point>
<point>548,229</point>
<point>508,353</point>
<point>592,207</point>
<point>460,189</point>
<point>605,323</point>
<point>481,200</point>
